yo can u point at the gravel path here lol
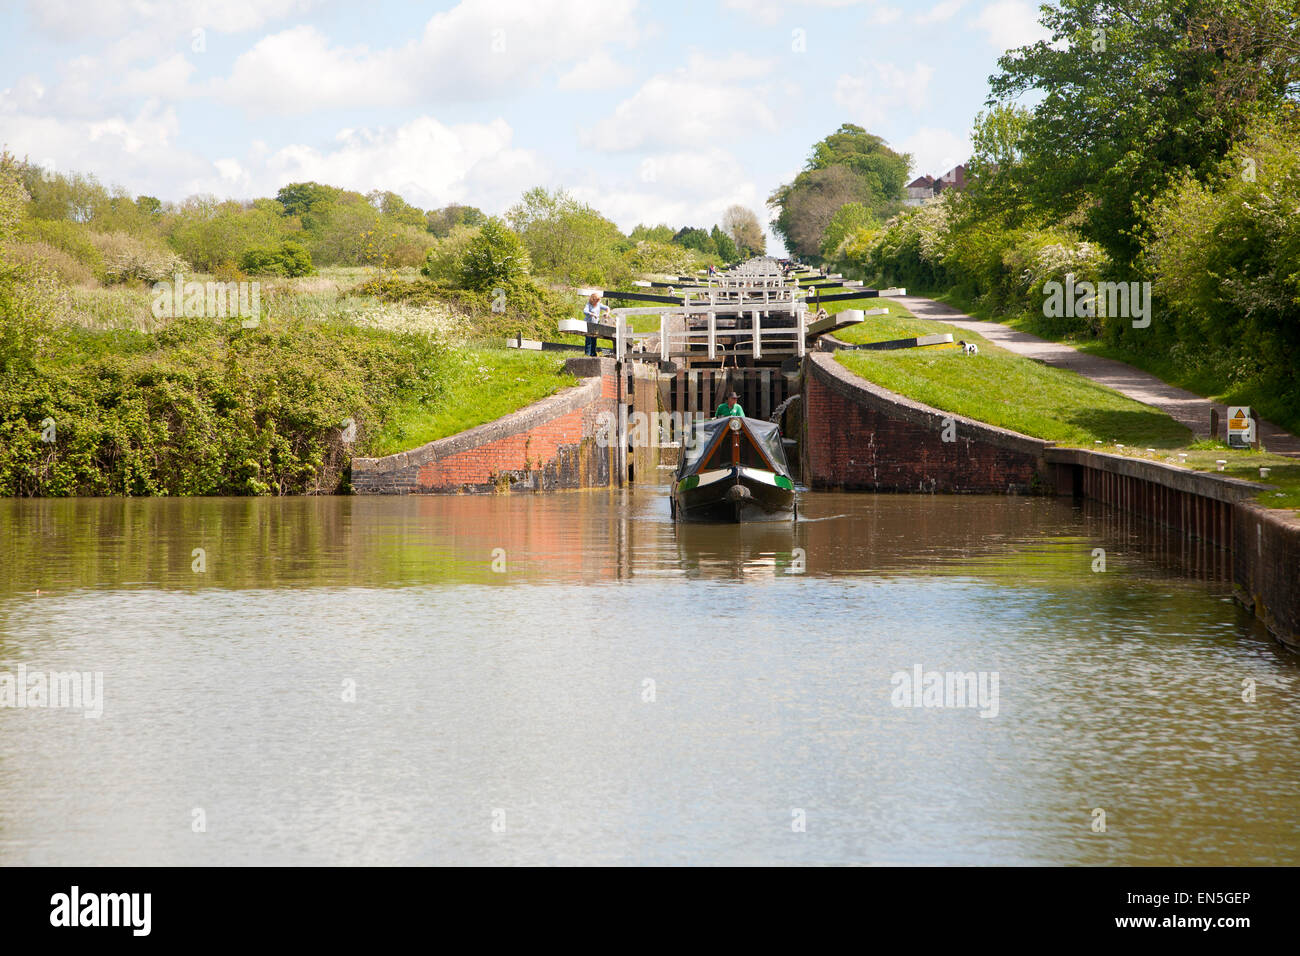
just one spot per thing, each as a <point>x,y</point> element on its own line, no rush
<point>1184,406</point>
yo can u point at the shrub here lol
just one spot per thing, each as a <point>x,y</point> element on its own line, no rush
<point>445,258</point>
<point>495,258</point>
<point>288,259</point>
<point>126,257</point>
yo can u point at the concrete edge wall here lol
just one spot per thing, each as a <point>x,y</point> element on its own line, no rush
<point>1266,567</point>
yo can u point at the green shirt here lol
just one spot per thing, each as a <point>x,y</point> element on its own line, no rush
<point>724,410</point>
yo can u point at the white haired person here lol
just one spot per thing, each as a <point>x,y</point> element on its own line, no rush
<point>592,312</point>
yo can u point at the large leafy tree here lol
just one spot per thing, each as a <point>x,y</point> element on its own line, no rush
<point>848,166</point>
<point>743,227</point>
<point>566,238</point>
<point>1138,91</point>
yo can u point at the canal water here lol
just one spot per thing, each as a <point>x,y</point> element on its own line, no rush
<point>572,679</point>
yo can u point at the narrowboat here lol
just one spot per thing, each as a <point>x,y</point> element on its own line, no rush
<point>733,469</point>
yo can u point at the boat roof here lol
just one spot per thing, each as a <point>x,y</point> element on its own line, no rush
<point>764,448</point>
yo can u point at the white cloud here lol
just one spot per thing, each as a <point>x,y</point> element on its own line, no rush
<point>941,12</point>
<point>871,95</point>
<point>597,72</point>
<point>476,50</point>
<point>298,70</point>
<point>167,78</point>
<point>769,12</point>
<point>935,151</point>
<point>429,163</point>
<point>80,18</point>
<point>884,15</point>
<point>689,106</point>
<point>1011,23</point>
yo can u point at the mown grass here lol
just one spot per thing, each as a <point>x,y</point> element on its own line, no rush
<point>1025,396</point>
<point>1214,382</point>
<point>1006,390</point>
<point>479,385</point>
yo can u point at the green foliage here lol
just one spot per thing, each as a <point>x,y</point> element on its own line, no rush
<point>725,246</point>
<point>566,239</point>
<point>288,259</point>
<point>495,258</point>
<point>659,233</point>
<point>446,256</point>
<point>849,166</point>
<point>70,237</point>
<point>305,199</point>
<point>1225,256</point>
<point>691,237</point>
<point>203,409</point>
<point>208,232</point>
<point>1176,83</point>
<point>848,219</point>
<point>441,222</point>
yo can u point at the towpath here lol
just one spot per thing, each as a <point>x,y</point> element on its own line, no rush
<point>1187,407</point>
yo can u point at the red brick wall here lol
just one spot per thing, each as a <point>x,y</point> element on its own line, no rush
<point>524,451</point>
<point>863,437</point>
<point>548,445</point>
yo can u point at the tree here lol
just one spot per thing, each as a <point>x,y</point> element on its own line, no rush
<point>724,244</point>
<point>659,233</point>
<point>1224,256</point>
<point>442,221</point>
<point>445,259</point>
<point>691,237</point>
<point>396,209</point>
<point>847,220</point>
<point>1133,93</point>
<point>567,239</point>
<point>301,199</point>
<point>850,165</point>
<point>495,258</point>
<point>742,226</point>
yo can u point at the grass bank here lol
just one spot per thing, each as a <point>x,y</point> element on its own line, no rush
<point>478,386</point>
<point>1017,393</point>
<point>1199,371</point>
<point>108,399</point>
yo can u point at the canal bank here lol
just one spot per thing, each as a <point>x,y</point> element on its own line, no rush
<point>862,437</point>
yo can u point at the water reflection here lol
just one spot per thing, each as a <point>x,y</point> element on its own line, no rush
<point>624,690</point>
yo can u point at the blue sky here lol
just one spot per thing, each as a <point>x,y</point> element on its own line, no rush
<point>651,111</point>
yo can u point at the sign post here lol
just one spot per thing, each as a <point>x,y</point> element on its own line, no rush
<point>1241,427</point>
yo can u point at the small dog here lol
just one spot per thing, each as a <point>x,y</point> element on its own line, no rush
<point>969,348</point>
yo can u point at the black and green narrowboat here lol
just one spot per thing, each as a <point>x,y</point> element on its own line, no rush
<point>733,469</point>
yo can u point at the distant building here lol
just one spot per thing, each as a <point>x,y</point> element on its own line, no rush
<point>954,178</point>
<point>919,190</point>
<point>927,187</point>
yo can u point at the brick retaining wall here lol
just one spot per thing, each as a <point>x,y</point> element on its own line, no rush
<point>551,444</point>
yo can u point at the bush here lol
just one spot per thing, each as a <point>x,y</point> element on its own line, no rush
<point>198,409</point>
<point>495,258</point>
<point>288,259</point>
<point>445,259</point>
<point>52,259</point>
<point>126,258</point>
<point>70,237</point>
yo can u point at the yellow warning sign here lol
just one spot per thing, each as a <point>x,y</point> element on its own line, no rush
<point>1241,427</point>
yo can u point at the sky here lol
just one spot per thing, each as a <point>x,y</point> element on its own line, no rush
<point>650,111</point>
